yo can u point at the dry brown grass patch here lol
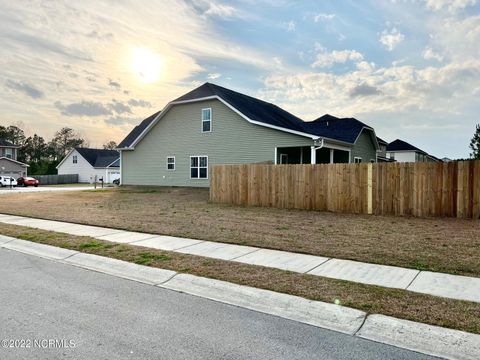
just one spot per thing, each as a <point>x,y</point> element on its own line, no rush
<point>461,315</point>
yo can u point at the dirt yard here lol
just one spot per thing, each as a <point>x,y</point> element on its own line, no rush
<point>446,245</point>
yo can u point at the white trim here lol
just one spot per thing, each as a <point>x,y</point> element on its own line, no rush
<point>336,147</point>
<point>264,124</point>
<point>121,170</point>
<point>198,167</point>
<point>213,97</point>
<point>174,162</point>
<point>314,137</point>
<point>15,161</point>
<point>332,157</point>
<point>357,157</point>
<point>112,163</point>
<point>375,136</point>
<point>65,158</point>
<point>276,156</point>
<point>202,120</point>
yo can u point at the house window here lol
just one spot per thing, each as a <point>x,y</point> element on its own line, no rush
<point>170,162</point>
<point>357,160</point>
<point>199,167</point>
<point>74,159</point>
<point>206,120</point>
<point>8,153</point>
<point>283,158</point>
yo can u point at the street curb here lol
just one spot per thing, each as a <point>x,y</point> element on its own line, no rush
<point>41,250</point>
<point>4,239</point>
<point>422,282</point>
<point>427,339</point>
<point>123,269</point>
<point>321,314</point>
<point>423,338</point>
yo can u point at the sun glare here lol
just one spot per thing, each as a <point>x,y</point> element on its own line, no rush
<point>146,64</point>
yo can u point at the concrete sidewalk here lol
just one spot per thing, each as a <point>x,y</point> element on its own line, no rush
<point>18,189</point>
<point>437,284</point>
<point>423,338</point>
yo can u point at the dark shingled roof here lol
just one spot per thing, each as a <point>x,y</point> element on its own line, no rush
<point>400,145</point>
<point>98,157</point>
<point>345,129</point>
<point>116,163</point>
<point>4,142</point>
<point>137,130</point>
<point>381,141</point>
<point>251,107</point>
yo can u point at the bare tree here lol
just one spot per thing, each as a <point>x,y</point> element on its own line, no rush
<point>111,145</point>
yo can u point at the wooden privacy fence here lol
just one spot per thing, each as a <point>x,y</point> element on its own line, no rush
<point>449,189</point>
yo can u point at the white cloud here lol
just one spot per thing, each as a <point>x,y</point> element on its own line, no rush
<point>221,10</point>
<point>389,90</point>
<point>326,59</point>
<point>390,39</point>
<point>213,76</point>
<point>430,54</point>
<point>36,39</point>
<point>323,17</point>
<point>456,38</point>
<point>290,26</point>
<point>450,5</point>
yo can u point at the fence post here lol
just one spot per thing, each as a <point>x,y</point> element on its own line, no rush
<point>370,189</point>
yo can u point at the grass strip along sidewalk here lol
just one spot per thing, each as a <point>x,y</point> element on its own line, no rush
<point>455,314</point>
<point>435,244</point>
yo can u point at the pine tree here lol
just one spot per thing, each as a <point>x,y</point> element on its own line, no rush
<point>475,144</point>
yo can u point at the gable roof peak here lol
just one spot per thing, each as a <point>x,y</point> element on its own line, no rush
<point>98,157</point>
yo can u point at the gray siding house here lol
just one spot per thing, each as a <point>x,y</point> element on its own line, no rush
<point>214,125</point>
<point>9,165</point>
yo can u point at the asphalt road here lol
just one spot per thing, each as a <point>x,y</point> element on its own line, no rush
<point>63,312</point>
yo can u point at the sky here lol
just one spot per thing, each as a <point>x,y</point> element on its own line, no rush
<point>408,68</point>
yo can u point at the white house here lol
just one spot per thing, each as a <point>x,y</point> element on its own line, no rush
<point>401,151</point>
<point>91,163</point>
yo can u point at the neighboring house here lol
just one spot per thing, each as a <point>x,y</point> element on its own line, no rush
<point>214,125</point>
<point>91,163</point>
<point>9,166</point>
<point>402,151</point>
<point>382,152</point>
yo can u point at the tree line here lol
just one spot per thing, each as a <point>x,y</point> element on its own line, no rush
<point>43,156</point>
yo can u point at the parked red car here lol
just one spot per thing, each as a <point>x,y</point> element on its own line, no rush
<point>27,181</point>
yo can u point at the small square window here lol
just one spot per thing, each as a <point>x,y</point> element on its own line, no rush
<point>357,160</point>
<point>170,162</point>
<point>206,120</point>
